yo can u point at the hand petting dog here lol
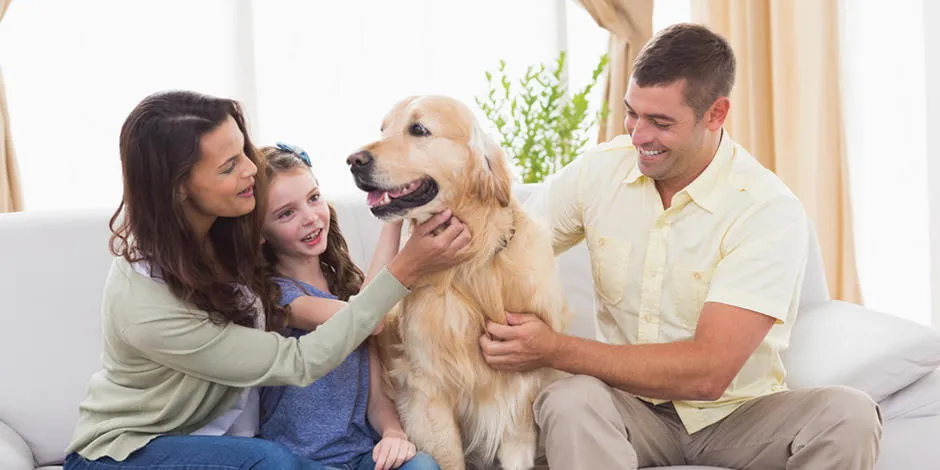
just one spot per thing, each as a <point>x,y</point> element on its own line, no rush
<point>523,344</point>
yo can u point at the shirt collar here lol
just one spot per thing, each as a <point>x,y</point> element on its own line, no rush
<point>706,188</point>
<point>634,174</point>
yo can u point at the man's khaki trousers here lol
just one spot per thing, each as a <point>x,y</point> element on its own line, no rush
<point>586,424</point>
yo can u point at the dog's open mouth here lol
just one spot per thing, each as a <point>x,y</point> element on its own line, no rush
<point>395,201</point>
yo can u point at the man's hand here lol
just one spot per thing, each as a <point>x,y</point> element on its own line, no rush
<point>526,343</point>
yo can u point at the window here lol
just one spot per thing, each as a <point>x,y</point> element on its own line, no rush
<point>73,73</point>
<point>886,137</point>
<point>326,73</point>
<point>320,75</point>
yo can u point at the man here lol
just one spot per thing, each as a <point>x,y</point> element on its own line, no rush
<point>698,255</point>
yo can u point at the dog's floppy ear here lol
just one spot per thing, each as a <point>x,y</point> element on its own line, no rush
<point>490,176</point>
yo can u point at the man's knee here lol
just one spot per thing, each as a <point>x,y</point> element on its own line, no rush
<point>852,413</point>
<point>572,398</point>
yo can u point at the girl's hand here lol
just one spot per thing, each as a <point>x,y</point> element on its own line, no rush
<point>392,451</point>
<point>378,329</point>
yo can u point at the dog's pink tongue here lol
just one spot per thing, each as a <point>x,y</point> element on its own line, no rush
<point>375,197</point>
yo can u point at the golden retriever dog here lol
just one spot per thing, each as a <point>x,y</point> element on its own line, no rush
<point>433,155</point>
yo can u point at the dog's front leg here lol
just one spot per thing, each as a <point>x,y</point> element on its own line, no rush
<point>519,441</point>
<point>431,425</point>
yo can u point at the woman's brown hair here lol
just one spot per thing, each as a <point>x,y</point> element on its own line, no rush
<point>159,146</point>
<point>343,277</point>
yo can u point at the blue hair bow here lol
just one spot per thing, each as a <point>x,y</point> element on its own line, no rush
<point>297,151</point>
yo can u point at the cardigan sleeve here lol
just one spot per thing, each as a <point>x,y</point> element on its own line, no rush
<point>237,356</point>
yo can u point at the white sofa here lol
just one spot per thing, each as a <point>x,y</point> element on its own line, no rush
<point>53,265</point>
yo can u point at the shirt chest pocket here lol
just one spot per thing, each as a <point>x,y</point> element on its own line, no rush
<point>609,258</point>
<point>689,291</point>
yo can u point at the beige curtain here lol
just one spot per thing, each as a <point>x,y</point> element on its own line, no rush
<point>11,199</point>
<point>786,109</point>
<point>630,23</point>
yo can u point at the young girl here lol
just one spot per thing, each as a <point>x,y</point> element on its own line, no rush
<point>182,312</point>
<point>343,420</point>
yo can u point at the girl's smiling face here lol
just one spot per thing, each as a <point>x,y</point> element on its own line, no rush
<point>298,221</point>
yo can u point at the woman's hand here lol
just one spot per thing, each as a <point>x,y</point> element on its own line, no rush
<point>426,253</point>
<point>392,451</point>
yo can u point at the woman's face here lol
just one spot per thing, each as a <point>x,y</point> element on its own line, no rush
<point>221,183</point>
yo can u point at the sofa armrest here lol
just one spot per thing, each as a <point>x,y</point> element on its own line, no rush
<point>839,343</point>
<point>14,453</point>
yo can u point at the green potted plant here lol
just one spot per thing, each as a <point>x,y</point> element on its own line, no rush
<point>541,127</point>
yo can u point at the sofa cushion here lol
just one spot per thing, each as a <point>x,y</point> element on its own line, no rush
<point>838,343</point>
<point>909,444</point>
<point>920,399</point>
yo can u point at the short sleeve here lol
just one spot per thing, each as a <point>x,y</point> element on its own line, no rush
<point>764,259</point>
<point>556,205</point>
<point>290,290</point>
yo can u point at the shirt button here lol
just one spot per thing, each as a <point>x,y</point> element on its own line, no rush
<point>696,276</point>
<point>601,242</point>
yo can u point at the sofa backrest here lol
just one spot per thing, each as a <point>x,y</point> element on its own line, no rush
<point>52,271</point>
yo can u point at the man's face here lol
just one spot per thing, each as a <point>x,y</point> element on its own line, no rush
<point>665,132</point>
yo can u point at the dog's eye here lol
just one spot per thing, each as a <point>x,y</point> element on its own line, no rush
<point>418,130</point>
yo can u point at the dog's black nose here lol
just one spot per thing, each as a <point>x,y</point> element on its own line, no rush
<point>360,160</point>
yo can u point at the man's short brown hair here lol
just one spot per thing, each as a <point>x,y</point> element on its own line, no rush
<point>691,52</point>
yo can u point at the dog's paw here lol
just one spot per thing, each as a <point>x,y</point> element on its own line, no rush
<point>516,456</point>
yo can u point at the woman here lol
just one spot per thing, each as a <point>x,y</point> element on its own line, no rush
<point>187,300</point>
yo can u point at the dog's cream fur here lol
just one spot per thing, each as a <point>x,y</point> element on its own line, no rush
<point>452,404</point>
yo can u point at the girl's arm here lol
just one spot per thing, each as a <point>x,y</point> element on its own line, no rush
<point>380,410</point>
<point>394,449</point>
<point>385,249</point>
<point>307,313</point>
